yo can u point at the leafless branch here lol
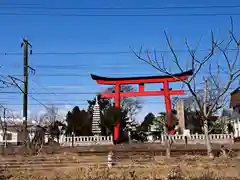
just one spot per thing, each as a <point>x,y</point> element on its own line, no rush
<point>176,60</point>
<point>210,129</point>
<point>192,54</point>
<point>232,33</point>
<point>214,78</point>
<point>222,104</point>
<point>225,55</point>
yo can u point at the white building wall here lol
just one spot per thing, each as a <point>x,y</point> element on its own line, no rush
<point>14,137</point>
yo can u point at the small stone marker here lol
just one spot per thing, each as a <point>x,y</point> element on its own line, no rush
<point>110,163</point>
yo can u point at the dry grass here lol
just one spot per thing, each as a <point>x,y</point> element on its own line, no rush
<point>186,167</point>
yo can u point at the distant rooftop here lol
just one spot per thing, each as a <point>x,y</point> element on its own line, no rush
<point>236,91</point>
<point>235,98</point>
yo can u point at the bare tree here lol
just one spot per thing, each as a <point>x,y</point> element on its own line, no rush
<point>131,104</point>
<point>40,129</point>
<point>53,120</point>
<point>47,123</point>
<point>51,114</point>
<point>230,68</point>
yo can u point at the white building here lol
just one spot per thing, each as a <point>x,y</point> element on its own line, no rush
<point>14,133</point>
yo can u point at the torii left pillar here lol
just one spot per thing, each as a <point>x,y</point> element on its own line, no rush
<point>117,106</point>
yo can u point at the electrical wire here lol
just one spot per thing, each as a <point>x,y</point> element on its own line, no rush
<point>46,105</point>
<point>80,75</point>
<point>89,67</point>
<point>60,93</point>
<point>38,7</point>
<point>49,99</point>
<point>67,102</point>
<point>120,15</point>
<point>86,93</point>
<point>62,103</point>
<point>88,75</point>
<point>100,52</point>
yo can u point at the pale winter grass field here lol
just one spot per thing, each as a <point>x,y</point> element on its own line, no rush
<point>185,167</point>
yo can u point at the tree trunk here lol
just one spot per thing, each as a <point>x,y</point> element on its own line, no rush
<point>167,143</point>
<point>207,139</point>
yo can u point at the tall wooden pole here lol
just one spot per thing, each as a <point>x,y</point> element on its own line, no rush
<point>205,119</point>
<point>25,94</point>
<point>5,127</point>
<point>205,97</point>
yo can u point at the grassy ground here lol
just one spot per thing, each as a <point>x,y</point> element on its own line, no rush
<point>185,167</point>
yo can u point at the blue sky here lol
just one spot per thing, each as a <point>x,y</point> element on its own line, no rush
<point>49,34</point>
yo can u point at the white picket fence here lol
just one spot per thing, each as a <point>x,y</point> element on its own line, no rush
<point>177,139</point>
<point>199,139</point>
<point>236,127</point>
<point>86,140</point>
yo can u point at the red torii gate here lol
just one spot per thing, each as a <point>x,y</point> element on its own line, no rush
<point>166,91</point>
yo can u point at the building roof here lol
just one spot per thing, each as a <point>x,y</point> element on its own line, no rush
<point>16,126</point>
<point>235,91</point>
<point>235,98</point>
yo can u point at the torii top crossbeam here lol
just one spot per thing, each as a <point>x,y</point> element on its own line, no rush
<point>166,91</point>
<point>142,79</point>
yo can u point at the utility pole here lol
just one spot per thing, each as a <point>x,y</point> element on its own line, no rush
<point>25,45</point>
<point>5,127</point>
<point>205,118</point>
<point>205,96</point>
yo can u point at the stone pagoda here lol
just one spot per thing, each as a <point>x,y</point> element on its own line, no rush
<point>96,129</point>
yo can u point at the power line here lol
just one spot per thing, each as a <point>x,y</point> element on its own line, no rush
<point>79,66</point>
<point>100,52</point>
<point>73,75</point>
<point>52,100</point>
<point>88,75</point>
<point>71,67</point>
<point>46,105</point>
<point>120,15</point>
<point>71,102</point>
<point>32,7</point>
<point>85,93</point>
<point>38,102</point>
<point>16,4</point>
<point>47,90</point>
